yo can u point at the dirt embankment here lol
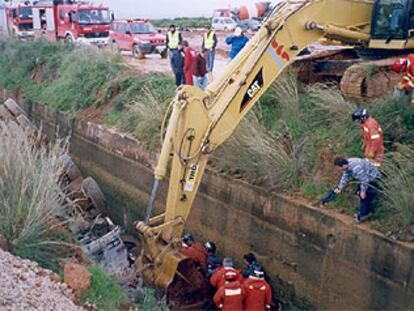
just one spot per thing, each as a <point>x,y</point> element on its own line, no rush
<point>26,286</point>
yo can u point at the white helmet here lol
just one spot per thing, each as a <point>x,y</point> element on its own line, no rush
<point>238,32</point>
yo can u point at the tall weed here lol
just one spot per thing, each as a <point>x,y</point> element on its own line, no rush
<point>31,212</point>
<point>275,162</point>
<point>144,113</point>
<point>397,187</point>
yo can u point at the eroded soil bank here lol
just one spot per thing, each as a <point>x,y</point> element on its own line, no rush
<point>314,257</point>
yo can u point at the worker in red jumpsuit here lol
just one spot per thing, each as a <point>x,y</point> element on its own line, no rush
<point>230,296</point>
<point>257,292</point>
<point>219,277</point>
<point>406,85</point>
<point>373,136</point>
<point>189,59</point>
<point>190,249</point>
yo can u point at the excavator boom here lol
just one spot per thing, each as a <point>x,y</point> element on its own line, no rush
<point>201,121</point>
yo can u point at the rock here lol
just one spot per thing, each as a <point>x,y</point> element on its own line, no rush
<point>77,277</point>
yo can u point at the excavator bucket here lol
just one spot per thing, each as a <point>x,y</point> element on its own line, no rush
<point>189,289</point>
<point>171,271</point>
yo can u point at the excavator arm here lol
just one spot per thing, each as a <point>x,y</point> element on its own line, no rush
<point>201,121</point>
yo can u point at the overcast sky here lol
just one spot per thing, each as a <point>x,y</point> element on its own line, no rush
<point>169,8</point>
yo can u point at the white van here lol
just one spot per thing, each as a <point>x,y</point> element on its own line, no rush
<point>223,23</point>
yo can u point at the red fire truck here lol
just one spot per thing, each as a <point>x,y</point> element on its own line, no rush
<point>17,21</point>
<point>72,21</point>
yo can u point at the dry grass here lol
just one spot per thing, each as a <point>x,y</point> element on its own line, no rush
<point>330,103</point>
<point>285,92</point>
<point>148,114</point>
<point>30,208</point>
<point>265,160</point>
<point>398,187</point>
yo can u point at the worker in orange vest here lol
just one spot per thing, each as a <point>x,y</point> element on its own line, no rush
<point>373,136</point>
<point>194,251</point>
<point>219,277</point>
<point>257,292</point>
<point>230,296</point>
<point>406,66</point>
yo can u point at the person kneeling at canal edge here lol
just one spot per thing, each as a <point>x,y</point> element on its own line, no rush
<point>367,175</point>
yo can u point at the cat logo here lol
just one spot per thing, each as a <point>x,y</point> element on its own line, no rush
<point>191,178</point>
<point>253,89</point>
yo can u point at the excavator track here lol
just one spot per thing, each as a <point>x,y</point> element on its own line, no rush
<point>366,81</point>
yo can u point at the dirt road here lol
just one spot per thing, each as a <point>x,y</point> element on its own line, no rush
<point>154,63</point>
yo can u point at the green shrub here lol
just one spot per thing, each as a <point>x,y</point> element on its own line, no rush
<point>105,293</point>
<point>26,64</point>
<point>73,78</point>
<point>82,75</point>
<point>31,212</point>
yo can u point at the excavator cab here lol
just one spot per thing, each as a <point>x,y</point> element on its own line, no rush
<point>392,24</point>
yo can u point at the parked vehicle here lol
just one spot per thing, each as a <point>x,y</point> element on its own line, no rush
<point>223,23</point>
<point>67,21</point>
<point>138,36</point>
<point>17,21</point>
<point>249,24</point>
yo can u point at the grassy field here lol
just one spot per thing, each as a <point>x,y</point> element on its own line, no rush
<point>288,141</point>
<point>183,22</point>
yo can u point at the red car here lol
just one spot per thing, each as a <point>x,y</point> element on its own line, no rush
<point>138,36</point>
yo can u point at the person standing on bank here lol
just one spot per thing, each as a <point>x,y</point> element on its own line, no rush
<point>209,44</point>
<point>237,41</point>
<point>367,175</point>
<point>172,40</point>
<point>177,64</point>
<point>200,70</point>
<point>189,59</point>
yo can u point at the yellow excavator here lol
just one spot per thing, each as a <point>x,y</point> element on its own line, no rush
<point>200,121</point>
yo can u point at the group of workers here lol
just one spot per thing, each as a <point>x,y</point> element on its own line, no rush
<point>366,171</point>
<point>234,289</point>
<point>193,67</point>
